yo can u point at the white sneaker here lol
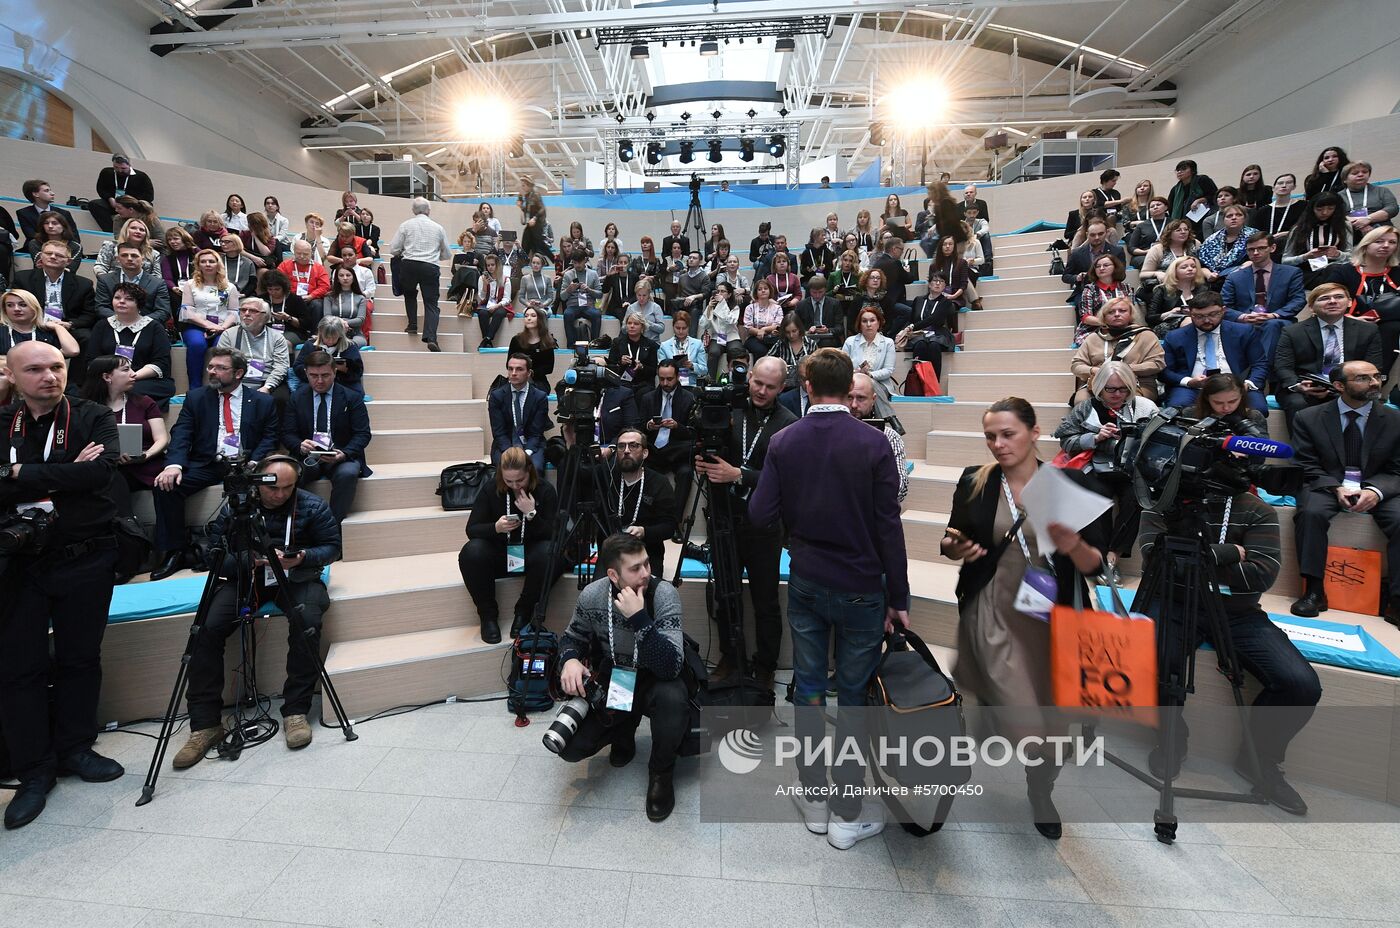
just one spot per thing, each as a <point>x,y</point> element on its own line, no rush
<point>813,811</point>
<point>843,835</point>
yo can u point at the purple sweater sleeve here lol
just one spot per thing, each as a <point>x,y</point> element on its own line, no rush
<point>764,502</point>
<point>889,530</point>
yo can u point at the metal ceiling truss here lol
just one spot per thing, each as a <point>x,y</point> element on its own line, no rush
<point>712,31</point>
<point>759,130</point>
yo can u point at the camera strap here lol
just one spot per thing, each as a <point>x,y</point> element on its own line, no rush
<point>56,435</point>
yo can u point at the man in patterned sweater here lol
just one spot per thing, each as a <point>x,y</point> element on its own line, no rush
<point>626,635</point>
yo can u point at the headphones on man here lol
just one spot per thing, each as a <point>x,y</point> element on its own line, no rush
<point>280,459</point>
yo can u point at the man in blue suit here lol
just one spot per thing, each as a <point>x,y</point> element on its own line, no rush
<point>1212,345</point>
<point>217,422</point>
<point>519,413</point>
<point>1263,294</point>
<point>328,425</point>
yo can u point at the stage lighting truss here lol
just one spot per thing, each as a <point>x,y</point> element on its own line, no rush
<point>775,138</point>
<point>783,30</point>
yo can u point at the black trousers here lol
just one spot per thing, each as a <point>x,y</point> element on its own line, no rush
<point>344,478</point>
<point>170,504</point>
<point>206,689</point>
<point>760,554</point>
<point>415,277</point>
<point>73,595</point>
<point>665,702</point>
<point>490,322</point>
<point>1316,509</point>
<point>482,561</point>
<point>677,460</point>
<point>102,214</point>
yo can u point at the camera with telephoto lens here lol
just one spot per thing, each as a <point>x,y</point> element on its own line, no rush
<point>565,725</point>
<point>713,405</point>
<point>25,531</point>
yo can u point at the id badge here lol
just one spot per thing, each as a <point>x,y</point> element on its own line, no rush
<point>515,559</point>
<point>627,375</point>
<point>303,289</point>
<point>582,299</point>
<point>278,326</point>
<point>1359,213</point>
<point>687,376</point>
<point>1351,479</point>
<point>126,351</point>
<point>43,505</point>
<point>229,445</point>
<point>216,318</point>
<point>622,686</point>
<point>1036,596</point>
<point>322,438</point>
<point>260,367</point>
<point>54,312</point>
<point>1317,263</point>
<point>269,578</point>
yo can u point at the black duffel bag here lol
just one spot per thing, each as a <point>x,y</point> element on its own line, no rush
<point>461,484</point>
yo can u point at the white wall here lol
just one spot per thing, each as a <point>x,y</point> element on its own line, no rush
<point>182,109</point>
<point>1304,65</point>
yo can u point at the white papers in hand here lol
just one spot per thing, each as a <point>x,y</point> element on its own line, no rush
<point>1050,496</point>
<point>1198,212</point>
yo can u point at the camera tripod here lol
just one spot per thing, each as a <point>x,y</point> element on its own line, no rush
<point>1181,592</point>
<point>695,216</point>
<point>245,539</point>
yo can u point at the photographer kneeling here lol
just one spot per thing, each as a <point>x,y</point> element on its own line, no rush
<point>58,553</point>
<point>307,538</point>
<point>624,652</point>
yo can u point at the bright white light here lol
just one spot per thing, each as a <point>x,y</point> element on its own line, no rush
<point>921,103</point>
<point>485,117</point>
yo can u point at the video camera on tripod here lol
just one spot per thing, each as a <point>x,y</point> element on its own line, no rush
<point>578,403</point>
<point>713,405</point>
<point>241,483</point>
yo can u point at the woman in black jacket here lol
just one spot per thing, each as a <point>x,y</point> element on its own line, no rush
<point>510,531</point>
<point>1004,654</point>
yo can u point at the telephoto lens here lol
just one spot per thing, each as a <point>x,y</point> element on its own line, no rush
<point>571,715</point>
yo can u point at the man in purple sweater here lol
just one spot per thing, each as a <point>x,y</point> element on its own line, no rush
<point>854,544</point>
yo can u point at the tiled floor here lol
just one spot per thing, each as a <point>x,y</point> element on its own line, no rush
<point>451,816</point>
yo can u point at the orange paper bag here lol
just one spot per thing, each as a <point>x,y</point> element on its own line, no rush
<point>1103,661</point>
<point>1352,580</point>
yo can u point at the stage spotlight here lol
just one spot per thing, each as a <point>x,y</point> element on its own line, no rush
<point>709,47</point>
<point>640,51</point>
<point>653,153</point>
<point>485,118</point>
<point>785,44</point>
<point>626,151</point>
<point>877,133</point>
<point>777,146</point>
<point>746,149</point>
<point>716,150</point>
<point>687,151</point>
<point>916,106</point>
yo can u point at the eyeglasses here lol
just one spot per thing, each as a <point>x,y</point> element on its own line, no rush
<point>630,446</point>
<point>1115,389</point>
<point>1367,378</point>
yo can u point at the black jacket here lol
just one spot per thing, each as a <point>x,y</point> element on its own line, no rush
<point>682,406</point>
<point>666,244</point>
<point>29,220</point>
<point>645,351</point>
<point>818,260</point>
<point>79,299</point>
<point>1317,444</point>
<point>157,295</point>
<point>1300,348</point>
<point>151,346</point>
<point>895,276</point>
<point>656,511</point>
<point>491,505</point>
<point>833,316</point>
<point>349,422</point>
<point>745,423</point>
<point>82,505</point>
<point>1081,261</point>
<point>138,185</point>
<point>314,530</point>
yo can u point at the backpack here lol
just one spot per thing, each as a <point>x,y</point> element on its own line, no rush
<point>533,670</point>
<point>921,380</point>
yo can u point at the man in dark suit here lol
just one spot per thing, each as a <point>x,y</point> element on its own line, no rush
<point>63,295</point>
<point>1212,345</point>
<point>1263,294</point>
<point>129,270</point>
<point>972,201</point>
<point>1081,260</point>
<point>1350,454</point>
<point>324,416</point>
<point>675,236</point>
<point>217,422</point>
<point>41,198</point>
<point>519,413</point>
<point>822,317</point>
<point>1316,346</point>
<point>891,265</point>
<point>117,181</point>
<point>665,414</point>
<point>640,500</point>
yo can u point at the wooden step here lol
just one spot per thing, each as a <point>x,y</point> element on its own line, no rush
<point>931,487</point>
<point>1021,360</point>
<point>994,316</point>
<point>418,386</point>
<point>987,388</point>
<point>1030,296</point>
<point>396,340</point>
<point>1009,284</point>
<point>964,416</point>
<point>394,486</point>
<point>415,360</point>
<point>961,449</point>
<point>404,446</point>
<point>1045,336</point>
<point>426,529</point>
<point>426,414</point>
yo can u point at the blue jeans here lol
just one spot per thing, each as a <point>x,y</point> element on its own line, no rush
<point>197,342</point>
<point>859,622</point>
<point>589,314</point>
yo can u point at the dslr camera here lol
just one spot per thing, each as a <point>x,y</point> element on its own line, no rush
<point>565,725</point>
<point>25,531</point>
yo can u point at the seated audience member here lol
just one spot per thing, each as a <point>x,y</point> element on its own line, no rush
<point>24,320</point>
<point>320,244</point>
<point>932,325</point>
<point>1137,208</point>
<point>647,265</point>
<point>692,288</point>
<point>1224,251</point>
<point>832,234</point>
<point>971,200</point>
<point>608,260</point>
<point>720,331</point>
<point>211,231</point>
<point>1169,307</point>
<point>1191,190</point>
<point>1104,285</point>
<point>1147,233</point>
<point>41,200</point>
<point>1222,397</point>
<point>519,413</point>
<point>1114,398</point>
<point>346,301</point>
<point>761,320</point>
<point>792,348</point>
<point>1178,240</point>
<point>630,620</point>
<point>764,265</point>
<point>281,226</point>
<point>672,269</point>
<point>1212,345</point>
<point>1263,294</point>
<point>345,238</point>
<point>265,348</point>
<point>872,352</point>
<point>495,300</point>
<point>1319,344</point>
<point>308,278</point>
<point>823,319</point>
<point>787,286</point>
<point>843,284</point>
<point>818,257</point>
<point>1326,176</point>
<point>1280,214</point>
<point>303,523</point>
<point>579,291</point>
<point>1078,218</point>
<point>328,426</point>
<point>217,423</point>
<point>895,219</point>
<point>1368,206</point>
<point>1107,197</point>
<point>688,354</point>
<point>55,226</point>
<point>650,310</point>
<point>536,290</point>
<point>1115,337</point>
<point>862,404</point>
<point>641,502</point>
<point>139,338</point>
<point>265,251</point>
<point>291,315</point>
<point>633,355</point>
<point>178,264</point>
<point>665,414</point>
<point>1214,220</point>
<point>466,276</point>
<point>331,338</point>
<point>535,342</point>
<point>577,241</point>
<point>510,532</point>
<point>1079,268</point>
<point>1252,192</point>
<point>133,232</point>
<point>109,382</point>
<point>620,280</point>
<point>129,270</point>
<point>1321,240</point>
<point>1350,454</point>
<point>763,242</point>
<point>1372,278</point>
<point>238,267</point>
<point>896,277</point>
<point>235,214</point>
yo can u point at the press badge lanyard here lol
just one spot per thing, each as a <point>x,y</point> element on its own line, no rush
<point>1156,229</point>
<point>744,438</point>
<point>622,681</point>
<point>622,494</point>
<point>1036,595</point>
<point>270,578</point>
<point>1351,202</point>
<point>237,269</point>
<point>18,429</point>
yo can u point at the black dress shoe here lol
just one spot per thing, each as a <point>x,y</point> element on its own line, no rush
<point>433,346</point>
<point>1272,786</point>
<point>90,766</point>
<point>1313,602</point>
<point>28,801</point>
<point>624,748</point>
<point>661,797</point>
<point>170,562</point>
<point>516,624</point>
<point>411,330</point>
<point>490,631</point>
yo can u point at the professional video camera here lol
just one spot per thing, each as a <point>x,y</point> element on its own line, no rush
<point>565,725</point>
<point>242,481</point>
<point>28,530</point>
<point>711,415</point>
<point>695,183</point>
<point>586,382</point>
<point>1171,457</point>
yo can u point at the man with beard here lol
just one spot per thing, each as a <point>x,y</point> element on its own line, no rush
<point>641,502</point>
<point>1350,454</point>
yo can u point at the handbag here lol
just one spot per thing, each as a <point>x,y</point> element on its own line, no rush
<point>1352,580</point>
<point>1057,266</point>
<point>461,484</point>
<point>1104,661</point>
<point>1079,461</point>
